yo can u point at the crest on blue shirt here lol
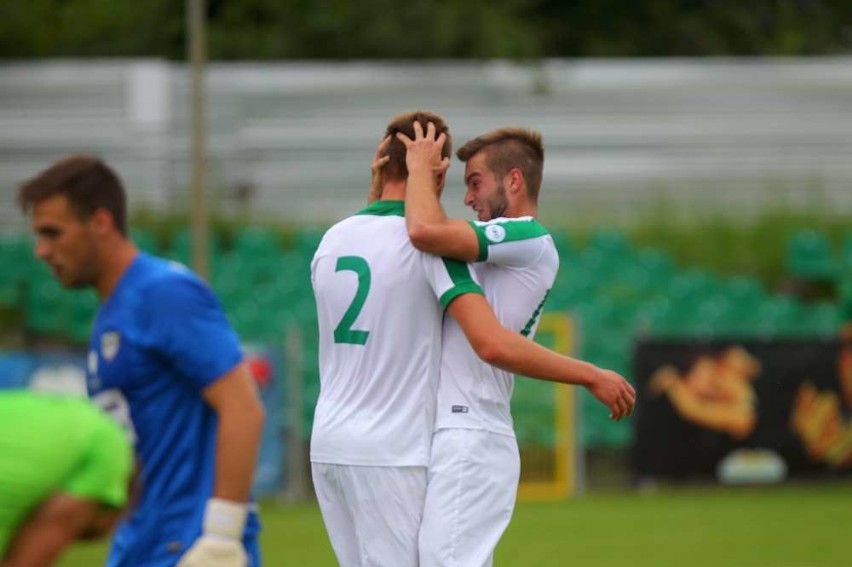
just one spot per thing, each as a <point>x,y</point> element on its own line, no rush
<point>110,342</point>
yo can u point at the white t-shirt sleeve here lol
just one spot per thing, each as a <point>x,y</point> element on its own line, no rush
<point>514,242</point>
<point>449,278</point>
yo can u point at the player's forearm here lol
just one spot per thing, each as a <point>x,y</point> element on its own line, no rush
<point>517,354</point>
<point>424,215</point>
<point>237,447</point>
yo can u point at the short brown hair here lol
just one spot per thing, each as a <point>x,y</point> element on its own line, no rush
<point>88,184</point>
<point>507,148</point>
<point>395,169</point>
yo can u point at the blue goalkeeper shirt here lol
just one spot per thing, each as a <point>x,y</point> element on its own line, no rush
<point>160,338</point>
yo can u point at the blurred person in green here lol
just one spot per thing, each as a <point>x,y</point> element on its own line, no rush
<point>65,470</point>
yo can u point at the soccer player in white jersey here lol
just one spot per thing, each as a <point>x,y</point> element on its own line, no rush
<point>380,304</point>
<point>475,466</point>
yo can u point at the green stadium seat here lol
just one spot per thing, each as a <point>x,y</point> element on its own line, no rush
<point>692,286</point>
<point>46,312</point>
<point>810,256</point>
<point>780,316</point>
<point>258,241</point>
<point>564,246</point>
<point>180,246</point>
<point>611,242</point>
<point>145,239</point>
<point>84,305</point>
<point>717,316</point>
<point>744,292</point>
<point>664,318</point>
<point>823,319</point>
<point>656,262</point>
<point>307,240</point>
<point>846,256</point>
<point>573,286</point>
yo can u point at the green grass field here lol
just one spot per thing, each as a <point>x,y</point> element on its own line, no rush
<point>790,526</point>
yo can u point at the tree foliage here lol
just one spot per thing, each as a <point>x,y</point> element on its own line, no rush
<point>390,29</point>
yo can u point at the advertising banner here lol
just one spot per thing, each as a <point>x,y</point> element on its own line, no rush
<point>742,411</point>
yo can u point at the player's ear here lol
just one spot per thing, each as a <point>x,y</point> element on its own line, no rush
<point>101,221</point>
<point>515,182</point>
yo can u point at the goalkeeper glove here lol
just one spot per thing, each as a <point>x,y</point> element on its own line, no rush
<point>221,543</point>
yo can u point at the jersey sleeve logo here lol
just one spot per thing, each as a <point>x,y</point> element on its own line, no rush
<point>110,343</point>
<point>495,233</point>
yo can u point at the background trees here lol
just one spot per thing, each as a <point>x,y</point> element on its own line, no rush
<point>366,29</point>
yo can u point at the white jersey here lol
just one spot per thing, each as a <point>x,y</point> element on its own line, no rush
<point>517,265</point>
<point>380,303</point>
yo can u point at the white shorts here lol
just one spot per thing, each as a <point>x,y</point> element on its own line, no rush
<point>473,483</point>
<point>372,514</point>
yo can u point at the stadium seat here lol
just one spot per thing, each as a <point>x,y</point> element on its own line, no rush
<point>611,242</point>
<point>574,285</point>
<point>823,319</point>
<point>145,239</point>
<point>717,316</point>
<point>81,311</point>
<point>564,246</point>
<point>255,240</point>
<point>809,256</point>
<point>846,256</point>
<point>656,262</point>
<point>780,316</point>
<point>691,286</point>
<point>744,292</point>
<point>180,246</point>
<point>306,241</point>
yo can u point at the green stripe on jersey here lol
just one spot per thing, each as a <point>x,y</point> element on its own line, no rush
<point>463,281</point>
<point>503,230</point>
<point>384,209</point>
<point>528,327</point>
<point>483,242</point>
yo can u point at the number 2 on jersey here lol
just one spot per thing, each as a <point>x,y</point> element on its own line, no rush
<point>344,333</point>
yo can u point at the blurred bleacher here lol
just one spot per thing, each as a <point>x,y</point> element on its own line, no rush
<point>293,141</point>
<point>614,291</point>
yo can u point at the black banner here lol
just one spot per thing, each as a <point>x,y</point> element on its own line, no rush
<point>742,411</point>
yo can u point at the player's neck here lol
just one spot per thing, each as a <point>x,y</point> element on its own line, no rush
<point>393,191</point>
<point>115,261</point>
<point>522,208</point>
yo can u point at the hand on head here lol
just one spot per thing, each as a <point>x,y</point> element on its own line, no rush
<point>424,151</point>
<point>379,161</point>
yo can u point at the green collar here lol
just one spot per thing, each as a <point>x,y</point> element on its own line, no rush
<point>384,209</point>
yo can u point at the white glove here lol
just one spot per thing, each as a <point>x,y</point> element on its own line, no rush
<point>221,543</point>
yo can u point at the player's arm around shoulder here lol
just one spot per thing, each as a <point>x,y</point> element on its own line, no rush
<point>500,347</point>
<point>428,226</point>
<point>235,400</point>
<point>451,238</point>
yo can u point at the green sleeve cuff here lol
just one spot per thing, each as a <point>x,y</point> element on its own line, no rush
<point>483,242</point>
<point>467,287</point>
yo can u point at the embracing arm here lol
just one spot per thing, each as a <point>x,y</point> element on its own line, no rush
<point>428,226</point>
<point>510,351</point>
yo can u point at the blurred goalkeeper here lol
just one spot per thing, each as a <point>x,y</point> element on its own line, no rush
<point>64,475</point>
<point>166,365</point>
